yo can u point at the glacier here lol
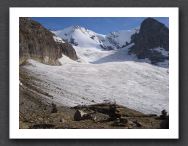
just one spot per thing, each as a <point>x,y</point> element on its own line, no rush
<point>137,85</point>
<point>101,75</point>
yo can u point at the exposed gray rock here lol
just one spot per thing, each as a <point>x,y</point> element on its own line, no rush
<point>120,122</point>
<point>164,123</point>
<point>152,34</point>
<point>54,108</point>
<point>123,120</point>
<point>62,120</point>
<point>138,124</point>
<point>164,114</point>
<point>81,115</point>
<point>37,42</point>
<point>68,50</point>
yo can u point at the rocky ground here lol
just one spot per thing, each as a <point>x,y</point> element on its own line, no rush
<point>37,112</point>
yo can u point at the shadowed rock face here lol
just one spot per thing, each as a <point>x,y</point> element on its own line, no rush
<point>68,50</point>
<point>37,42</point>
<point>152,34</point>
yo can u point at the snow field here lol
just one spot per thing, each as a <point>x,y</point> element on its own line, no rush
<point>137,85</point>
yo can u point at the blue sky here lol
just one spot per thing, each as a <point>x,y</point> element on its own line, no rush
<point>101,25</point>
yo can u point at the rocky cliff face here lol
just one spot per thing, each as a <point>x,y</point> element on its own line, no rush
<point>68,50</point>
<point>37,42</point>
<point>152,36</point>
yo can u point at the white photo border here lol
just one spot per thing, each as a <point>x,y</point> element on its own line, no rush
<point>171,133</point>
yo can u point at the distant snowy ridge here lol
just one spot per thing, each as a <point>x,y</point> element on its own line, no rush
<point>79,36</point>
<point>119,39</point>
<point>82,37</point>
<point>91,46</point>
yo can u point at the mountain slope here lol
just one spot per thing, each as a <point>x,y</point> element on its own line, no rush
<point>79,36</point>
<point>82,37</point>
<point>38,43</point>
<point>91,46</point>
<point>119,39</point>
<point>151,42</point>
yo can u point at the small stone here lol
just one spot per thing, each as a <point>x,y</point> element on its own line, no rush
<point>138,124</point>
<point>79,115</point>
<point>40,119</point>
<point>123,120</point>
<point>62,120</point>
<point>94,118</point>
<point>131,123</point>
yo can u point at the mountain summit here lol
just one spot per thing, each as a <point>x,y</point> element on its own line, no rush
<point>82,37</point>
<point>151,42</point>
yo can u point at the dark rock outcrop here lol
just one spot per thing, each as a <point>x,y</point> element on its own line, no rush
<point>37,42</point>
<point>81,115</point>
<point>152,34</point>
<point>68,50</point>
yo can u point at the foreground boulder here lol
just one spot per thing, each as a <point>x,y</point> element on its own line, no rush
<point>165,123</point>
<point>81,115</point>
<point>165,119</point>
<point>120,122</point>
<point>54,108</point>
<point>113,112</point>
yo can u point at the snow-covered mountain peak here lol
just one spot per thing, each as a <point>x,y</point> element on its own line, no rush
<point>72,29</point>
<point>120,38</point>
<point>91,46</point>
<point>88,43</point>
<point>83,37</point>
<point>80,36</point>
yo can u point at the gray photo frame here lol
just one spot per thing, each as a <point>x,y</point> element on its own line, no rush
<point>4,124</point>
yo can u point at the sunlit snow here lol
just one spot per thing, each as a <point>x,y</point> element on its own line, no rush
<point>137,85</point>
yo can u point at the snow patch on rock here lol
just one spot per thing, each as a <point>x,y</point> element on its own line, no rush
<point>58,39</point>
<point>162,51</point>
